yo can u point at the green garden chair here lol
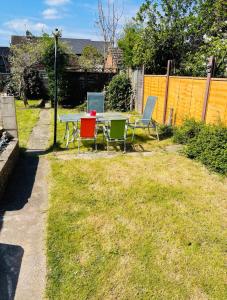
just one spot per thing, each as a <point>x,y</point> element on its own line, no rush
<point>116,132</point>
<point>146,122</point>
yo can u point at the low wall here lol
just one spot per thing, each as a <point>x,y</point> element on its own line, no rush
<point>8,159</point>
<point>8,118</point>
<point>9,156</point>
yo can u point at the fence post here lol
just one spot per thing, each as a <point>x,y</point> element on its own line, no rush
<point>210,71</point>
<point>142,89</point>
<point>166,91</point>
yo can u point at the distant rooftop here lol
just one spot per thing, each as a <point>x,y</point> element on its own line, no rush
<point>77,45</point>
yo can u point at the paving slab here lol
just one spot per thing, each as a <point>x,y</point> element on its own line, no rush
<point>23,220</point>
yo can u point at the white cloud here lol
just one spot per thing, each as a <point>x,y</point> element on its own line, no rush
<point>56,2</point>
<point>21,25</point>
<point>51,14</point>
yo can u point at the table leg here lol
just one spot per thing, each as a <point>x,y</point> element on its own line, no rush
<point>67,134</point>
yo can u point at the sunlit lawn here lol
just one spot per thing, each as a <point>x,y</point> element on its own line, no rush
<point>26,120</point>
<point>136,228</point>
<point>132,227</point>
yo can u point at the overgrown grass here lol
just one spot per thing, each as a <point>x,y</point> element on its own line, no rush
<point>26,120</point>
<point>136,228</point>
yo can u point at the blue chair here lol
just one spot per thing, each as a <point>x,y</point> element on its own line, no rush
<point>146,122</point>
<point>95,101</point>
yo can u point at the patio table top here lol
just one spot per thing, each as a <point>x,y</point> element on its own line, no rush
<point>107,116</point>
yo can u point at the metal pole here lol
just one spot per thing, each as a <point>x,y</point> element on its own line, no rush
<point>55,89</point>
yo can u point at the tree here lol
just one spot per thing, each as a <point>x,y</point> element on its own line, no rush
<point>90,58</point>
<point>128,41</point>
<point>182,30</point>
<point>47,60</point>
<point>22,58</point>
<point>165,35</point>
<point>195,64</point>
<point>211,26</point>
<point>109,16</point>
<point>30,55</point>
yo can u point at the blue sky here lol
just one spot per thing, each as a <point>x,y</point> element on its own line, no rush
<point>76,18</point>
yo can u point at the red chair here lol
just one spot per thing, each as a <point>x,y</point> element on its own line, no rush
<point>87,131</point>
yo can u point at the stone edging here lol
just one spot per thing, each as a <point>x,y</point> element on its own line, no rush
<point>8,159</point>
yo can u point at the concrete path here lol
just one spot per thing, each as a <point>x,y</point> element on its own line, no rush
<point>22,221</point>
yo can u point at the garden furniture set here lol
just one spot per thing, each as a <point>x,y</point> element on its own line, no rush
<point>114,125</point>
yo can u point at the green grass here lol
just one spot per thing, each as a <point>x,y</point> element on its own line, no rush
<point>136,228</point>
<point>26,120</point>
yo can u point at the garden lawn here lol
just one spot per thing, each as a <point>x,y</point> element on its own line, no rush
<point>136,228</point>
<point>26,120</point>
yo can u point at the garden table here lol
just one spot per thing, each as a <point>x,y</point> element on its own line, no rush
<point>75,118</point>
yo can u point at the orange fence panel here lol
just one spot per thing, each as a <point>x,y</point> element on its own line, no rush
<point>186,97</point>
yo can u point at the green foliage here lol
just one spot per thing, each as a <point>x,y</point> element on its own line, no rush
<point>23,57</point>
<point>210,147</point>
<point>27,56</point>
<point>186,31</point>
<point>48,56</point>
<point>34,87</point>
<point>195,64</point>
<point>90,58</point>
<point>127,42</point>
<point>119,93</point>
<point>4,81</point>
<point>189,130</point>
<point>165,131</point>
<point>206,143</point>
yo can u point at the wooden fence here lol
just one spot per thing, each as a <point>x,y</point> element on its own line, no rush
<point>186,98</point>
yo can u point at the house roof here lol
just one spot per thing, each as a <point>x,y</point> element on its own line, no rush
<point>77,45</point>
<point>4,51</point>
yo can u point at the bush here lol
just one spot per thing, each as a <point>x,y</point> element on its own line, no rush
<point>34,86</point>
<point>165,131</point>
<point>119,93</point>
<point>206,143</point>
<point>187,131</point>
<point>210,147</point>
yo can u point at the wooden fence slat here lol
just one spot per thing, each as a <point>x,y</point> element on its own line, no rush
<point>186,97</point>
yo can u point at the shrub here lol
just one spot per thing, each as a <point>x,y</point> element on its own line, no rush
<point>34,87</point>
<point>119,93</point>
<point>187,131</point>
<point>165,131</point>
<point>206,143</point>
<point>210,147</point>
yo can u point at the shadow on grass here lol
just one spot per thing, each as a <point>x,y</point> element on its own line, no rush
<point>138,145</point>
